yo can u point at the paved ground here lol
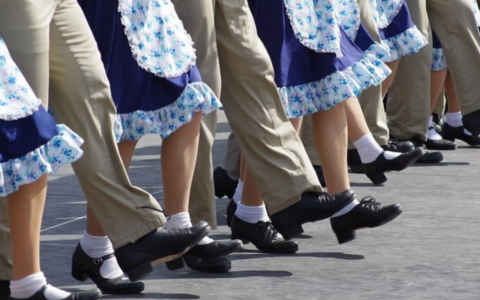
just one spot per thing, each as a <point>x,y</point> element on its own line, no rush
<point>429,252</point>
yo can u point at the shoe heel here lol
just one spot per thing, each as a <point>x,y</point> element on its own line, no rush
<point>357,168</point>
<point>345,237</point>
<point>78,273</point>
<point>236,236</point>
<point>139,272</point>
<point>175,264</point>
<point>377,178</point>
<point>292,232</point>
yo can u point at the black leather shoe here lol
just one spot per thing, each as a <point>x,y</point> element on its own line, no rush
<point>224,185</point>
<point>471,122</point>
<point>321,177</point>
<point>262,235</point>
<point>428,157</point>
<point>231,209</point>
<point>4,289</point>
<point>159,246</point>
<point>87,295</point>
<point>207,252</point>
<point>212,265</point>
<point>440,144</point>
<point>398,146</point>
<point>83,267</point>
<point>366,214</point>
<point>312,207</point>
<point>376,169</point>
<point>451,133</point>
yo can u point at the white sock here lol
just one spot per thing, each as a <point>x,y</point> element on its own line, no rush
<point>99,246</point>
<point>181,221</point>
<point>346,209</point>
<point>432,134</point>
<point>454,119</point>
<point>28,286</point>
<point>237,197</point>
<point>252,214</point>
<point>369,150</point>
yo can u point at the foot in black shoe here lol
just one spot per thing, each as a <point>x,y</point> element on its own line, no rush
<point>451,133</point>
<point>159,246</point>
<point>471,122</point>
<point>231,209</point>
<point>4,289</point>
<point>88,295</point>
<point>312,207</point>
<point>440,144</point>
<point>320,176</point>
<point>367,214</point>
<point>376,169</point>
<point>428,157</point>
<point>262,235</point>
<point>224,185</point>
<point>395,145</point>
<point>212,265</point>
<point>83,267</point>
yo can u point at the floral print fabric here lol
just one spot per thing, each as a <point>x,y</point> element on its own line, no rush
<point>348,13</point>
<point>385,10</point>
<point>157,37</point>
<point>407,43</point>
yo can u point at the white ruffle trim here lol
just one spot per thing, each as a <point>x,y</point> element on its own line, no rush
<point>197,97</point>
<point>438,60</point>
<point>378,50</point>
<point>324,94</point>
<point>406,43</point>
<point>64,148</point>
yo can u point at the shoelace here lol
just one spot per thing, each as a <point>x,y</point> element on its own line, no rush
<point>267,225</point>
<point>369,200</point>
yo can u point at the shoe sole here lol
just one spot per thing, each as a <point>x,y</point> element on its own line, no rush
<point>125,291</point>
<point>345,237</point>
<point>143,270</point>
<point>236,236</point>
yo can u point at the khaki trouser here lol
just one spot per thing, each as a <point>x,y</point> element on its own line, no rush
<point>269,143</point>
<point>53,46</point>
<point>408,106</point>
<point>198,19</point>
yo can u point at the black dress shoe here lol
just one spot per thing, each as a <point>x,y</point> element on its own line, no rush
<point>212,265</point>
<point>312,207</point>
<point>440,144</point>
<point>320,176</point>
<point>366,214</point>
<point>451,133</point>
<point>471,122</point>
<point>231,209</point>
<point>428,157</point>
<point>83,267</point>
<point>263,235</point>
<point>159,246</point>
<point>87,295</point>
<point>210,251</point>
<point>224,185</point>
<point>4,289</point>
<point>398,146</point>
<point>376,169</point>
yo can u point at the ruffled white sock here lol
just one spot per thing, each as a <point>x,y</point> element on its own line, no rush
<point>369,150</point>
<point>252,214</point>
<point>455,120</point>
<point>26,287</point>
<point>182,221</point>
<point>99,246</point>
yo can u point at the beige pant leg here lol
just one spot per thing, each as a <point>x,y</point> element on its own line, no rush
<point>81,99</point>
<point>371,99</point>
<point>269,143</point>
<point>408,106</point>
<point>198,19</point>
<point>5,243</point>
<point>454,23</point>
<point>231,163</point>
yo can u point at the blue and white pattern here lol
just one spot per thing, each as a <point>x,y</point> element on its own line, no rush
<point>406,43</point>
<point>379,51</point>
<point>348,13</point>
<point>384,11</point>
<point>197,97</point>
<point>62,149</point>
<point>315,24</point>
<point>438,60</point>
<point>17,100</point>
<point>476,12</point>
<point>309,98</point>
<point>157,37</point>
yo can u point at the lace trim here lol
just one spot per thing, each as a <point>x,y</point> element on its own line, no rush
<point>406,43</point>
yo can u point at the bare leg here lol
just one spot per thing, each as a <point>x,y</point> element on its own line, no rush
<point>250,195</point>
<point>357,126</point>
<point>25,209</point>
<point>330,135</point>
<point>437,80</point>
<point>452,99</point>
<point>178,157</point>
<point>388,81</point>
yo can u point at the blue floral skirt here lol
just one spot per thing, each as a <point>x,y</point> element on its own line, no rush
<point>146,104</point>
<point>309,81</point>
<point>402,36</point>
<point>31,143</point>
